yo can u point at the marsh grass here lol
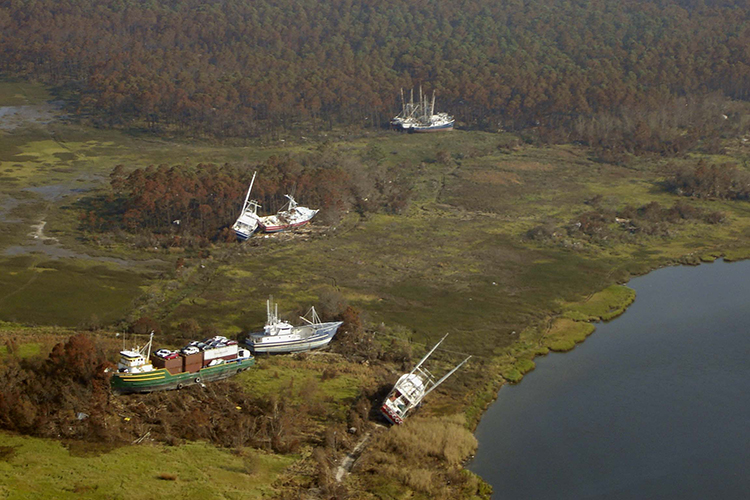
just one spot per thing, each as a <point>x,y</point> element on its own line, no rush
<point>14,93</point>
<point>45,469</point>
<point>445,438</point>
<point>565,333</point>
<point>601,306</point>
<point>307,381</point>
<point>34,290</point>
<point>406,454</point>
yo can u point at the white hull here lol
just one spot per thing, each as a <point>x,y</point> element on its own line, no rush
<point>300,338</point>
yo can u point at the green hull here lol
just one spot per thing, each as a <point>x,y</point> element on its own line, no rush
<point>161,380</point>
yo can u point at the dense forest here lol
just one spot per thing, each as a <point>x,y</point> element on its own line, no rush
<point>602,72</point>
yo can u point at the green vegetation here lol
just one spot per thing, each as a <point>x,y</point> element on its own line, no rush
<point>64,292</point>
<point>40,468</point>
<point>315,380</point>
<point>564,334</point>
<point>22,93</point>
<point>602,306</point>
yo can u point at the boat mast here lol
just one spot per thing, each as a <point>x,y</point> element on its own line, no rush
<point>421,101</point>
<point>313,315</point>
<point>446,376</point>
<point>247,196</point>
<point>150,340</point>
<point>428,354</point>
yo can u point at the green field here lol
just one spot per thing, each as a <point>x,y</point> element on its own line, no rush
<point>37,468</point>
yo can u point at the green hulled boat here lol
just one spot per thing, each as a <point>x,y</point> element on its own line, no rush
<point>213,359</point>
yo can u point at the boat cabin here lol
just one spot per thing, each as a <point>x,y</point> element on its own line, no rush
<point>133,362</point>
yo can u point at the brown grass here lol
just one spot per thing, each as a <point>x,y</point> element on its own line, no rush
<point>443,438</point>
<point>495,178</point>
<point>528,166</point>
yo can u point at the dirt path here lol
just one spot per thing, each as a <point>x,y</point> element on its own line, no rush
<point>346,464</point>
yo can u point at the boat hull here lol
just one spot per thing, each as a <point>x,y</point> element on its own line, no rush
<point>319,336</point>
<point>390,415</point>
<point>162,380</point>
<point>270,228</point>
<point>438,128</point>
<point>241,236</point>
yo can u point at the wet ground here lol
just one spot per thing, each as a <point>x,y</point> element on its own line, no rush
<point>13,117</point>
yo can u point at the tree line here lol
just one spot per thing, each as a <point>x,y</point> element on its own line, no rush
<point>237,68</point>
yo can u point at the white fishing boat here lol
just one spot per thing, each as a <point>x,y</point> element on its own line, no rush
<point>421,117</point>
<point>279,336</point>
<point>248,221</point>
<point>289,217</point>
<point>411,388</point>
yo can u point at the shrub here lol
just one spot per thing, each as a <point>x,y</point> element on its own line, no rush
<point>419,438</point>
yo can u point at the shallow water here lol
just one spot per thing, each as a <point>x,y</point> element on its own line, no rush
<point>654,404</point>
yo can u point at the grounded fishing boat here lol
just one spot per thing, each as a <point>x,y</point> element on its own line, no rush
<point>280,336</point>
<point>411,388</point>
<point>289,218</point>
<point>247,222</point>
<point>216,358</point>
<point>421,117</point>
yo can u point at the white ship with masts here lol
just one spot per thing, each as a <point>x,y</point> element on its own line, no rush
<point>411,388</point>
<point>421,116</point>
<point>279,336</point>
